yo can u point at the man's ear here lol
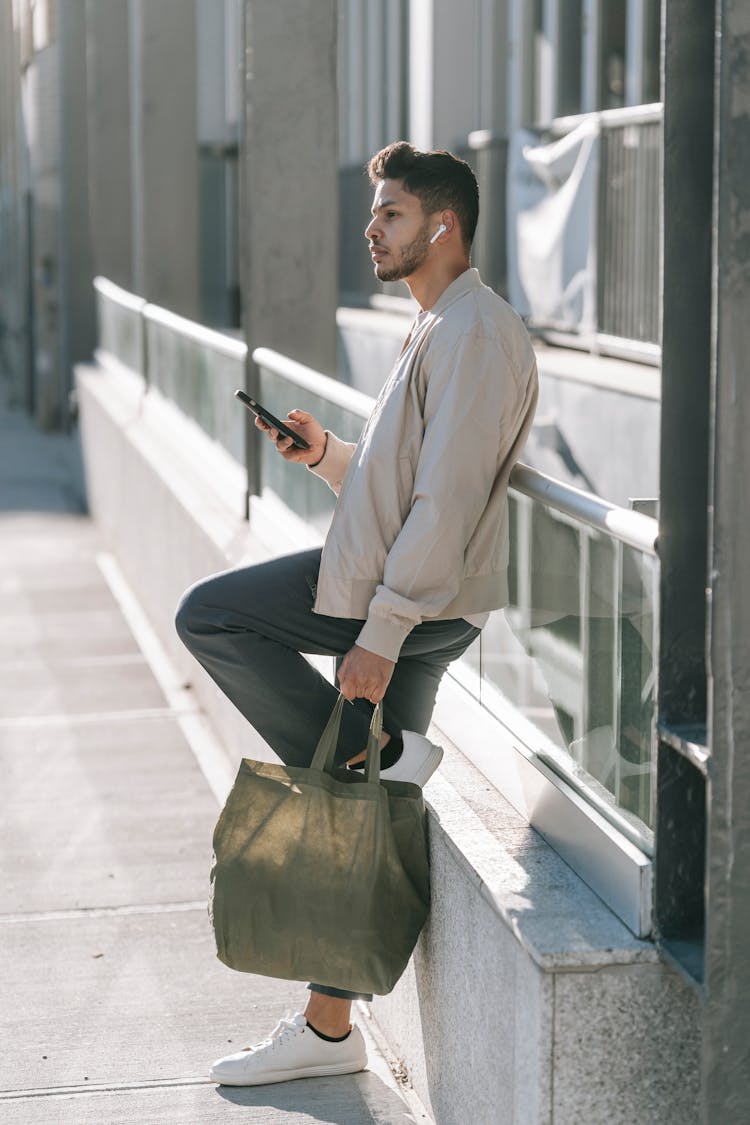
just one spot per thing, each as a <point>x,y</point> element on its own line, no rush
<point>449,220</point>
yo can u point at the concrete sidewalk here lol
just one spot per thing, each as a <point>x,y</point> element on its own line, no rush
<point>113,1002</point>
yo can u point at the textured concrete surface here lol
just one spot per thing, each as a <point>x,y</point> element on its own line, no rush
<point>564,1018</point>
<point>643,1004</point>
<point>132,815</point>
<point>114,1003</point>
<point>317,1101</point>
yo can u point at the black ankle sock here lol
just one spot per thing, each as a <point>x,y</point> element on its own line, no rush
<point>329,1038</point>
<point>389,755</point>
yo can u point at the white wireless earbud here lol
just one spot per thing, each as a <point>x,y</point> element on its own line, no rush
<point>441,230</point>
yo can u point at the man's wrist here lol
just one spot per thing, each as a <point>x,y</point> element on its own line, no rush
<point>314,464</point>
<point>383,637</point>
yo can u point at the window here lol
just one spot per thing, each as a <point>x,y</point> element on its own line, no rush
<point>652,53</point>
<point>612,54</point>
<point>372,76</point>
<point>569,45</point>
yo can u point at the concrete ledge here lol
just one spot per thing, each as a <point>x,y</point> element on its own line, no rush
<point>527,1002</point>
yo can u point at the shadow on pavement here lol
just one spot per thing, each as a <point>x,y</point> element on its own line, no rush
<point>38,472</point>
<point>359,1099</point>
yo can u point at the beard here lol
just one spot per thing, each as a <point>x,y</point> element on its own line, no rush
<point>410,259</point>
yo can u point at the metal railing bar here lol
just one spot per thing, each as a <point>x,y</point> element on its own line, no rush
<point>641,351</point>
<point>480,139</point>
<point>118,296</point>
<point>324,386</point>
<point>198,333</point>
<point>610,118</point>
<point>633,528</point>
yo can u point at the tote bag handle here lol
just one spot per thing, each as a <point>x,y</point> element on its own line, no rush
<point>329,739</point>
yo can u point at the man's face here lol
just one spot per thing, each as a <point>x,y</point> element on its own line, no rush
<point>398,234</point>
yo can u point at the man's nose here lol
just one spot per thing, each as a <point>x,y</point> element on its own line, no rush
<point>370,230</point>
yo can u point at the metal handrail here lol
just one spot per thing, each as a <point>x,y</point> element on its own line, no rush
<point>209,337</point>
<point>119,296</point>
<point>198,333</point>
<point>609,118</point>
<point>340,394</point>
<point>632,528</point>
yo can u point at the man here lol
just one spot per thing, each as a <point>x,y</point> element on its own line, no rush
<point>416,555</point>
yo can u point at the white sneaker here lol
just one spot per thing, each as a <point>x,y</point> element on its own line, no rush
<point>418,761</point>
<point>293,1050</point>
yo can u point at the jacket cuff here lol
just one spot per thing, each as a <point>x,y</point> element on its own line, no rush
<point>384,637</point>
<point>334,462</point>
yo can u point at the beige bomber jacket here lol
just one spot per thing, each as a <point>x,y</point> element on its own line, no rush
<point>420,528</point>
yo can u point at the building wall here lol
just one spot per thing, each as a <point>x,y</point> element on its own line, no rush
<point>164,153</point>
<point>108,120</point>
<point>219,61</point>
<point>14,201</point>
<point>52,305</point>
<point>77,320</point>
<point>289,209</point>
<point>41,86</point>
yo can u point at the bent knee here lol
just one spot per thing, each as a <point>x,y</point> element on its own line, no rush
<point>190,610</point>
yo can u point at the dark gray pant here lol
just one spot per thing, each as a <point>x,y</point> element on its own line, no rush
<point>248,628</point>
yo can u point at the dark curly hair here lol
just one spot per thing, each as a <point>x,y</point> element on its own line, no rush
<point>438,179</point>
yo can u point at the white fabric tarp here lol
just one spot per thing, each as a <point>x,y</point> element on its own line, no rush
<point>552,196</point>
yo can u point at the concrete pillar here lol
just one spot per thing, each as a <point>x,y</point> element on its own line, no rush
<point>289,197</point>
<point>591,11</point>
<point>520,65</point>
<point>107,66</point>
<point>549,60</point>
<point>219,50</point>
<point>494,65</point>
<point>726,1034</point>
<point>164,153</point>
<point>447,40</point>
<point>635,52</point>
<point>41,103</point>
<point>77,310</point>
<point>15,320</point>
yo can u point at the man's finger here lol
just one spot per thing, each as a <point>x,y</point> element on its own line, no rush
<point>351,688</point>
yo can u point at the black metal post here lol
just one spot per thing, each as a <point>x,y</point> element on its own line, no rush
<point>688,77</point>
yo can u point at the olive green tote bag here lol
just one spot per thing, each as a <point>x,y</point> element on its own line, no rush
<point>321,874</point>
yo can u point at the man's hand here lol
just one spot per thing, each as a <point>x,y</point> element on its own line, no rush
<point>364,675</point>
<point>307,427</point>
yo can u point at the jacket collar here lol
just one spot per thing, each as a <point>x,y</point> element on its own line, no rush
<point>463,284</point>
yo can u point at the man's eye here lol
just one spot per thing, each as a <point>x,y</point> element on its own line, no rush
<point>390,214</point>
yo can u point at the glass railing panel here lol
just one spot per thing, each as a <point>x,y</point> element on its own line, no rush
<point>636,782</point>
<point>569,664</point>
<point>120,326</point>
<point>200,378</point>
<point>307,496</point>
<point>574,653</point>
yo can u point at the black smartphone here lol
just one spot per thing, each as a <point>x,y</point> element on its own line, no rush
<point>271,420</point>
